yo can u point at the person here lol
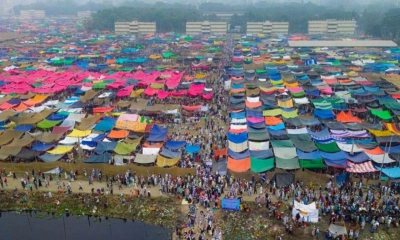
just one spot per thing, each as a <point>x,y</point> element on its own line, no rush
<point>356,235</point>
<point>80,186</point>
<point>317,233</point>
<point>5,181</point>
<point>351,234</point>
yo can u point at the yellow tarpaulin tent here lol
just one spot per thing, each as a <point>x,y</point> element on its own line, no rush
<point>61,150</point>
<point>166,162</point>
<point>79,134</point>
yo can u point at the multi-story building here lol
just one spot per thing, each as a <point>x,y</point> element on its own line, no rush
<point>268,27</point>
<point>84,14</point>
<point>32,14</point>
<point>332,26</point>
<point>206,27</point>
<point>135,27</point>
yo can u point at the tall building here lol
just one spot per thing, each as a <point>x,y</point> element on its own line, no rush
<point>268,27</point>
<point>135,27</point>
<point>206,27</point>
<point>84,14</point>
<point>332,26</point>
<point>6,8</point>
<point>32,14</point>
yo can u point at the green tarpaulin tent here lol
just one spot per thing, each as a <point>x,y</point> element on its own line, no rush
<point>261,165</point>
<point>316,163</point>
<point>46,124</point>
<point>329,148</point>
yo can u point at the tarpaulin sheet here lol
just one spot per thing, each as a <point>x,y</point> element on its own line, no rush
<point>61,149</point>
<point>257,146</point>
<point>7,151</point>
<point>381,158</point>
<point>220,167</point>
<point>133,126</point>
<point>47,157</point>
<point>46,124</point>
<point>26,154</point>
<point>360,167</point>
<point>41,147</point>
<point>334,156</point>
<point>157,134</point>
<point>338,163</point>
<point>150,150</point>
<point>166,162</point>
<point>282,143</point>
<point>102,158</point>
<point>285,152</point>
<point>258,136</point>
<point>329,147</point>
<point>170,154</point>
<point>237,147</point>
<point>338,230</point>
<point>239,155</point>
<point>263,154</point>
<point>144,159</point>
<point>174,144</point>
<point>23,128</point>
<point>312,164</point>
<point>261,165</point>
<point>123,148</point>
<point>8,135</point>
<point>22,142</point>
<point>237,138</point>
<point>358,157</point>
<point>118,134</point>
<point>88,123</point>
<point>291,163</point>
<point>308,155</point>
<point>351,148</point>
<point>324,114</point>
<point>283,179</point>
<point>390,172</point>
<point>382,114</point>
<point>346,117</point>
<point>105,125</point>
<point>192,148</point>
<point>79,134</point>
<point>238,165</point>
<point>105,147</point>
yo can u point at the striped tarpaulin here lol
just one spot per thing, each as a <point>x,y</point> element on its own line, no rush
<point>360,167</point>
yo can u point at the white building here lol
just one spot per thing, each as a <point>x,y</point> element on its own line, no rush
<point>206,27</point>
<point>84,14</point>
<point>135,27</point>
<point>268,27</point>
<point>32,14</point>
<point>332,26</point>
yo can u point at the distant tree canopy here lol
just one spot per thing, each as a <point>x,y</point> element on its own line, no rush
<point>374,20</point>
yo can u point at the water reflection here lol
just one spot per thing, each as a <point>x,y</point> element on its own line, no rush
<point>39,226</point>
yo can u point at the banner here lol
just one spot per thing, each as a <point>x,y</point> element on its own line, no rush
<point>230,204</point>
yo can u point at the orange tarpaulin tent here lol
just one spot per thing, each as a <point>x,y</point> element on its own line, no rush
<point>375,151</point>
<point>347,117</point>
<point>21,107</point>
<point>253,104</point>
<point>238,165</point>
<point>118,134</point>
<point>219,152</point>
<point>35,100</point>
<point>272,121</point>
<point>100,110</point>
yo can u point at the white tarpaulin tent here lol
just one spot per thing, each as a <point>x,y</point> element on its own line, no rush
<point>309,212</point>
<point>338,230</point>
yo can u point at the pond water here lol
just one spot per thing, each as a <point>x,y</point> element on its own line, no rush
<point>41,226</point>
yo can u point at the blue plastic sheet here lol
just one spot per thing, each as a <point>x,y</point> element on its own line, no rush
<point>358,157</point>
<point>175,144</point>
<point>41,147</point>
<point>315,155</point>
<point>263,154</point>
<point>324,114</point>
<point>107,124</point>
<point>157,134</point>
<point>390,172</point>
<point>23,128</point>
<point>237,138</point>
<point>105,147</point>
<point>192,148</point>
<point>340,179</point>
<point>102,158</point>
<point>238,156</point>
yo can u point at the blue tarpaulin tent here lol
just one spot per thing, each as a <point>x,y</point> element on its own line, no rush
<point>157,134</point>
<point>174,144</point>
